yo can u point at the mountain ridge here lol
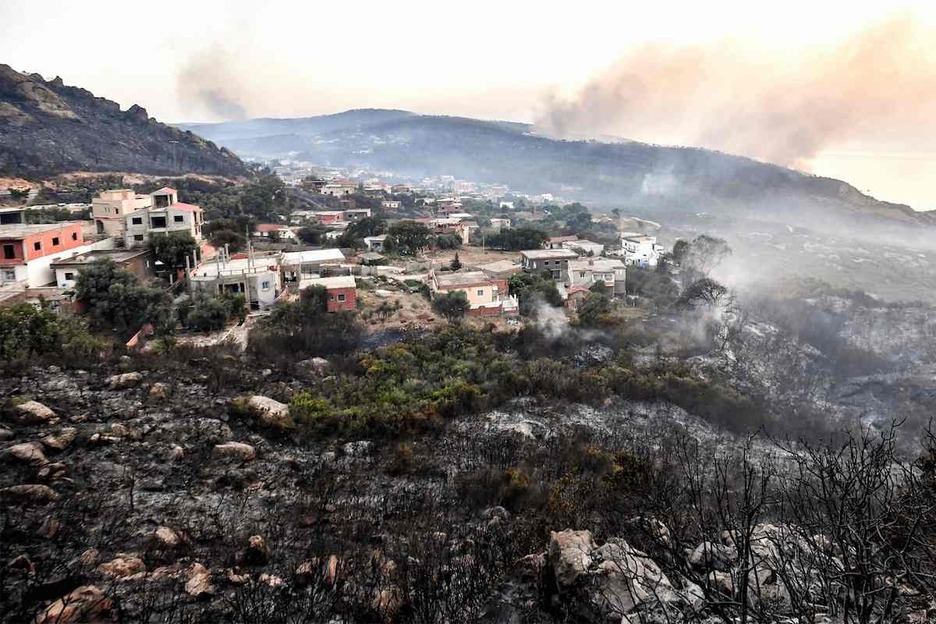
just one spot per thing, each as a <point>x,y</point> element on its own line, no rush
<point>48,128</point>
<point>512,153</point>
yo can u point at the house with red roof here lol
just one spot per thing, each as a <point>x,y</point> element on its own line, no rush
<point>274,231</point>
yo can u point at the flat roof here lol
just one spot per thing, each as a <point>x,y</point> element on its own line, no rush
<point>317,255</point>
<point>342,281</point>
<point>19,230</point>
<point>454,280</point>
<point>115,255</point>
<point>596,264</point>
<point>499,266</point>
<point>548,254</point>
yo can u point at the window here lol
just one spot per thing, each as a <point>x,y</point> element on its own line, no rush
<point>265,285</point>
<point>75,236</point>
<point>178,218</point>
<point>341,298</point>
<point>69,276</point>
<point>55,241</point>
<point>480,293</point>
<point>138,238</point>
<point>157,222</point>
<point>137,220</point>
<point>37,246</point>
<point>9,275</point>
<point>8,252</point>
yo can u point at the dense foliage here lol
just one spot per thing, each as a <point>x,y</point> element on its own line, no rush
<point>115,301</point>
<point>28,331</point>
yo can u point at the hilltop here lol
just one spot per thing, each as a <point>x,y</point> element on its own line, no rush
<point>49,128</point>
<point>665,180</point>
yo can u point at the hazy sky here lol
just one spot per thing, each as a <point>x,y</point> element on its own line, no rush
<point>203,60</point>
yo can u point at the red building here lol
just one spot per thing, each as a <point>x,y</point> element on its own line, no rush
<point>342,291</point>
<point>26,251</point>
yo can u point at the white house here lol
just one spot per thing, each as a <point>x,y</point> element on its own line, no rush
<point>256,276</point>
<point>500,223</point>
<point>640,249</point>
<point>375,243</point>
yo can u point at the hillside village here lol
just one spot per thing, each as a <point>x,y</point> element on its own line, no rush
<point>368,246</point>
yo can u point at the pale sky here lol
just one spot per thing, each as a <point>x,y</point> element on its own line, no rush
<point>489,58</point>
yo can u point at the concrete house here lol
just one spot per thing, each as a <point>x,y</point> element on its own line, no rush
<point>588,271</point>
<point>256,276</point>
<point>375,243</point>
<point>136,261</point>
<point>485,294</point>
<point>553,260</point>
<point>165,215</point>
<point>641,250</point>
<point>28,251</point>
<point>109,210</point>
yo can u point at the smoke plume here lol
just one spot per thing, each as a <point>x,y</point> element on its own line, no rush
<point>877,85</point>
<point>209,81</point>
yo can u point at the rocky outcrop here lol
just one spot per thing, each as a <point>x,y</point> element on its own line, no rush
<point>234,450</point>
<point>124,381</point>
<point>33,412</point>
<point>29,452</point>
<point>48,128</point>
<point>269,412</point>
<point>85,604</point>
<point>199,582</point>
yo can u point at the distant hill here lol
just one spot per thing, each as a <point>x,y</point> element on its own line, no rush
<point>48,128</point>
<point>624,174</point>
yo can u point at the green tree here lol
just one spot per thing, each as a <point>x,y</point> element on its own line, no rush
<point>212,312</point>
<point>354,234</point>
<point>409,237</point>
<point>312,234</point>
<point>172,249</point>
<point>595,306</point>
<point>235,242</point>
<point>453,306</point>
<point>534,290</point>
<point>455,264</point>
<point>27,331</point>
<point>114,300</point>
<point>517,239</point>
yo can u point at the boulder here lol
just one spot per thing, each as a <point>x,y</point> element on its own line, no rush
<point>122,566</point>
<point>30,452</point>
<point>29,493</point>
<point>52,471</point>
<point>626,579</point>
<point>84,604</point>
<point>124,381</point>
<point>711,556</point>
<point>34,412</point>
<point>5,434</point>
<point>61,440</point>
<point>199,582</point>
<point>569,555</point>
<point>270,413</point>
<point>158,392</point>
<point>234,450</point>
<point>166,537</point>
